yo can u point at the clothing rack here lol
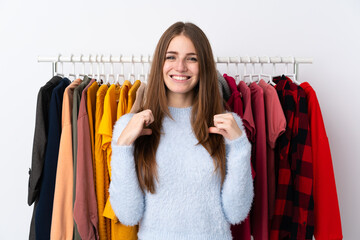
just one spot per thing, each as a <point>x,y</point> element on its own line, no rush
<point>100,58</point>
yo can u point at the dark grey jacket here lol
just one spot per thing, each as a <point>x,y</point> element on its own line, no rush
<point>39,146</point>
<point>40,138</point>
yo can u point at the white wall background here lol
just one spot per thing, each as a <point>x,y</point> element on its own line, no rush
<point>327,31</point>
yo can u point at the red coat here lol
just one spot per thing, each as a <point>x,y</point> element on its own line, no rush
<point>326,205</point>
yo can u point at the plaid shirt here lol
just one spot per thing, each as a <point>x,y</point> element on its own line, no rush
<point>294,204</point>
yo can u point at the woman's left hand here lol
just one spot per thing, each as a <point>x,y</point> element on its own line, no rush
<point>226,125</point>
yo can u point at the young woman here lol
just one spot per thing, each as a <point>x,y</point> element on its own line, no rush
<point>181,167</point>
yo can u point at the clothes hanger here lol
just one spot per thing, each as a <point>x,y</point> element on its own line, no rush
<point>271,82</point>
<point>102,74</point>
<point>91,74</point>
<point>82,75</point>
<point>98,74</point>
<point>254,77</point>
<point>237,75</point>
<point>292,76</point>
<point>142,74</point>
<point>57,73</point>
<point>246,60</point>
<point>261,75</point>
<point>268,76</point>
<point>72,75</point>
<point>227,66</point>
<point>121,74</point>
<point>251,76</point>
<point>132,74</point>
<point>111,75</point>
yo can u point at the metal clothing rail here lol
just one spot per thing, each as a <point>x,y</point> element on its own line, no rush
<point>100,58</point>
<point>148,59</point>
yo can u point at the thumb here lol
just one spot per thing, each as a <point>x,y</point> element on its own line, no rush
<point>215,130</point>
<point>146,131</point>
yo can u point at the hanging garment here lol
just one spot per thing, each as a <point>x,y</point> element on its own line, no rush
<point>75,113</point>
<point>224,88</point>
<point>91,108</point>
<point>139,98</point>
<point>132,95</point>
<point>123,99</point>
<point>62,222</point>
<point>46,196</point>
<point>39,146</point>
<point>326,205</point>
<point>259,210</point>
<point>85,207</point>
<point>294,205</point>
<point>118,230</point>
<point>234,101</point>
<point>40,138</point>
<point>243,231</point>
<point>275,126</point>
<point>102,179</point>
<point>248,117</point>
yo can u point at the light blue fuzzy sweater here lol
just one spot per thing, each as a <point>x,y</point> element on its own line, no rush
<point>189,203</point>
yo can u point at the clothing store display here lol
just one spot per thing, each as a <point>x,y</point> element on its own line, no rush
<point>275,126</point>
<point>191,172</point>
<point>39,146</point>
<point>326,205</point>
<point>294,203</point>
<point>84,186</point>
<point>62,222</point>
<point>43,212</point>
<point>85,207</point>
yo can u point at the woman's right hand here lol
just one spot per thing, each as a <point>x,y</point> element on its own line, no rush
<point>136,127</point>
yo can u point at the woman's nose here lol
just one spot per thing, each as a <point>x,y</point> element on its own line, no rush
<point>181,66</point>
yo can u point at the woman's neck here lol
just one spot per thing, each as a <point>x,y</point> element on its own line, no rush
<point>177,100</point>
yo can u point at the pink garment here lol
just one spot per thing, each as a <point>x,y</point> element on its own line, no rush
<point>234,101</point>
<point>85,207</point>
<point>248,119</point>
<point>275,126</point>
<point>242,231</point>
<point>259,211</point>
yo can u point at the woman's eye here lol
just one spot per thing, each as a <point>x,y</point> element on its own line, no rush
<point>170,57</point>
<point>193,59</point>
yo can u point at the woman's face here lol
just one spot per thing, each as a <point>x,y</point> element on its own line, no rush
<point>181,68</point>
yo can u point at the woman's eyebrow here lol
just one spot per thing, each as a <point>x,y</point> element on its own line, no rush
<point>174,52</point>
<point>171,52</point>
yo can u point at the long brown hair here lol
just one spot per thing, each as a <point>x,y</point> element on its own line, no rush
<point>207,103</point>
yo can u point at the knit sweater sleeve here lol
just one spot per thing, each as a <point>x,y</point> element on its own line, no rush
<point>126,196</point>
<point>237,191</point>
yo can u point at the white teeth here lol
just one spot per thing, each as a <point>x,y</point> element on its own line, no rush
<point>180,78</point>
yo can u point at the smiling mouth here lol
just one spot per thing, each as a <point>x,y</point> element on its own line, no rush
<point>180,78</point>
